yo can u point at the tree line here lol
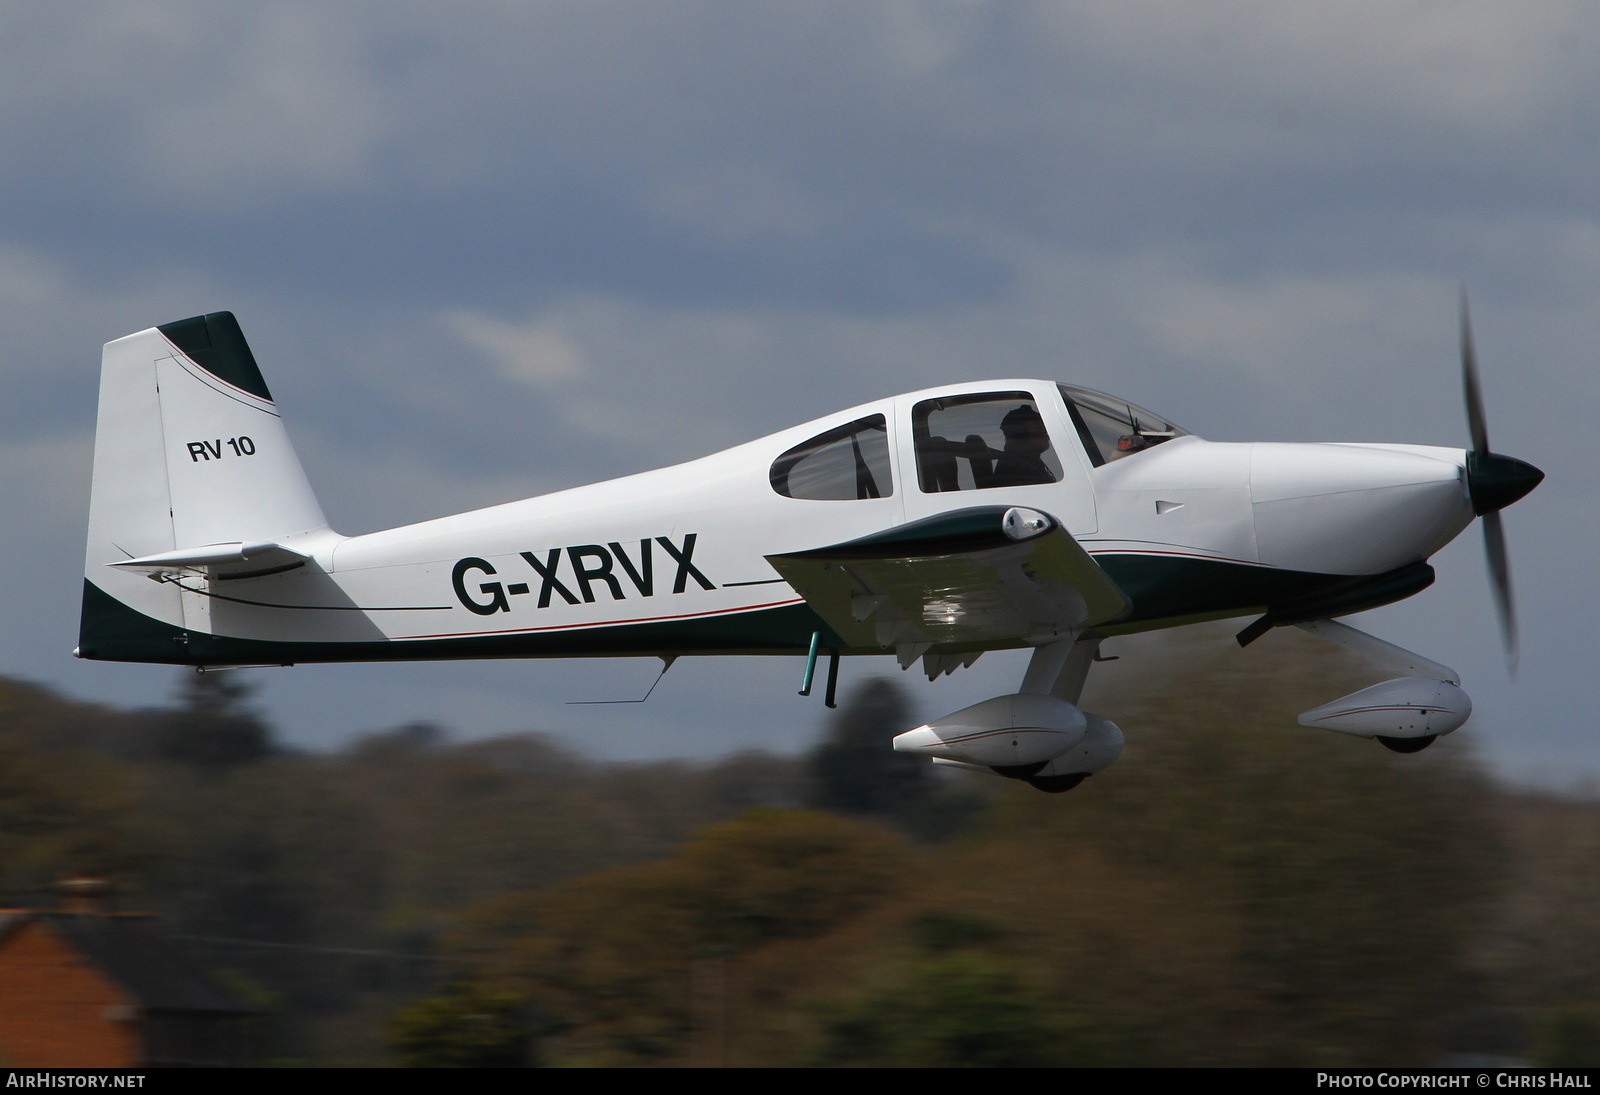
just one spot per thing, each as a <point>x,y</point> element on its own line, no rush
<point>1235,890</point>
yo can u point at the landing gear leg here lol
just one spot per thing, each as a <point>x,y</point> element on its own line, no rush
<point>1059,670</point>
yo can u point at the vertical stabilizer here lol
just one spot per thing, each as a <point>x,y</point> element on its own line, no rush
<point>189,451</point>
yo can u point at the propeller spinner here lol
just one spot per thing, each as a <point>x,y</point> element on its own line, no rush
<point>1494,482</point>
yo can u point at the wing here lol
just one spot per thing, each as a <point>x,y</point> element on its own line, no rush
<point>962,581</point>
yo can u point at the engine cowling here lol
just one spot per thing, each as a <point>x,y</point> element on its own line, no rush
<point>1407,707</point>
<point>1015,731</point>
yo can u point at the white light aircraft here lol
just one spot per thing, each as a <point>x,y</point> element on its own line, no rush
<point>933,526</point>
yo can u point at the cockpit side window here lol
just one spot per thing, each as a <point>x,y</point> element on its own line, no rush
<point>973,442</point>
<point>851,461</point>
<point>1112,428</point>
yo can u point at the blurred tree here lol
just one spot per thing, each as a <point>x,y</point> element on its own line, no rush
<point>397,746</point>
<point>856,770</point>
<point>1357,880</point>
<point>64,814</point>
<point>746,780</point>
<point>467,1026</point>
<point>215,729</point>
<point>1236,890</point>
<point>1569,1037</point>
<point>957,1005</point>
<point>279,852</point>
<point>1545,955</point>
<point>611,958</point>
<point>967,1009</point>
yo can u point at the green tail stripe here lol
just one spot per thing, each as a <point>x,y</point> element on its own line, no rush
<point>215,343</point>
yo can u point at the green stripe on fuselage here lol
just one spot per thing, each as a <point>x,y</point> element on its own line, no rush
<point>1167,586</point>
<point>1166,590</point>
<point>111,631</point>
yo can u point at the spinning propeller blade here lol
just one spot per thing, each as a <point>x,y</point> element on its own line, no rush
<point>1494,547</point>
<point>1494,482</point>
<point>1476,422</point>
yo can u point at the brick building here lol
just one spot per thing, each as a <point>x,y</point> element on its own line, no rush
<point>90,989</point>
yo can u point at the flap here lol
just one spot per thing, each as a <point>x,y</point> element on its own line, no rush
<point>975,576</point>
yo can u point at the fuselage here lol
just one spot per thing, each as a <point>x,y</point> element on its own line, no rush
<point>674,561</point>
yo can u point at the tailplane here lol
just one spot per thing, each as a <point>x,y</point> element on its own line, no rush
<point>192,469</point>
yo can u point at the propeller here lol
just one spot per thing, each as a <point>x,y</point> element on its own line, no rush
<point>1494,482</point>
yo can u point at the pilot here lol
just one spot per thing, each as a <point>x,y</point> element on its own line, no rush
<point>1022,463</point>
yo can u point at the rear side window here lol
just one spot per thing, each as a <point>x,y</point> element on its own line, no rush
<point>974,442</point>
<point>851,461</point>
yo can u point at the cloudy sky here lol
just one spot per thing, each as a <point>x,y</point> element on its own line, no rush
<point>489,249</point>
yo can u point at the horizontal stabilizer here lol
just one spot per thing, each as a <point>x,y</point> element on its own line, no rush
<point>262,557</point>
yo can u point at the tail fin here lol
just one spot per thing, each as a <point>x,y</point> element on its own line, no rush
<point>189,453</point>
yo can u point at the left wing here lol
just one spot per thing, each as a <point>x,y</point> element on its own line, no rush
<point>961,581</point>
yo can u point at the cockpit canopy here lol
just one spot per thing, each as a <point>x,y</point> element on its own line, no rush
<point>1113,428</point>
<point>968,441</point>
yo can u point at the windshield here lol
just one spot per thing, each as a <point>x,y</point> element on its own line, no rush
<point>1113,428</point>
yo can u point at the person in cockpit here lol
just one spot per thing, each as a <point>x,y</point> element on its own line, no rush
<point>1022,464</point>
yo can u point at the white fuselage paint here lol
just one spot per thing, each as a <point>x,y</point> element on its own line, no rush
<point>1332,509</point>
